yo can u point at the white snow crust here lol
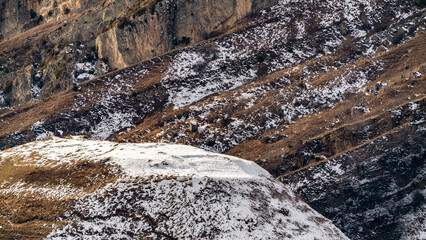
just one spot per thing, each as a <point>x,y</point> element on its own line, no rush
<point>145,159</point>
<point>171,190</point>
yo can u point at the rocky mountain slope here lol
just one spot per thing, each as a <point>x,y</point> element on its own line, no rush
<point>66,42</point>
<point>306,89</point>
<point>376,191</point>
<point>70,188</point>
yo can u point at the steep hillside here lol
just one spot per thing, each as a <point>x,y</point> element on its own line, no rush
<point>50,45</point>
<point>240,89</point>
<point>302,88</point>
<point>285,78</point>
<point>69,188</point>
<point>376,191</point>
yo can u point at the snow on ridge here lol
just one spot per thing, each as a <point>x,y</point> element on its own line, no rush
<point>143,159</point>
<point>187,192</point>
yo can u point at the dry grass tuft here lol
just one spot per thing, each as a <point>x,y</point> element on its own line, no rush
<point>28,213</point>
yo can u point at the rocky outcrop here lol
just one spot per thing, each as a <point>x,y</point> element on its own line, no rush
<point>154,27</point>
<point>20,16</point>
<point>62,35</point>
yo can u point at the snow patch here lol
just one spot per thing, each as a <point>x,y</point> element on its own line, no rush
<point>189,194</point>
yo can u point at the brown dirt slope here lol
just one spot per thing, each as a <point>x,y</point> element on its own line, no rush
<point>34,197</point>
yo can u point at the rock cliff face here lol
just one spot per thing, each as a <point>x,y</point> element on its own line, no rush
<point>158,27</point>
<point>49,45</point>
<point>19,16</point>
